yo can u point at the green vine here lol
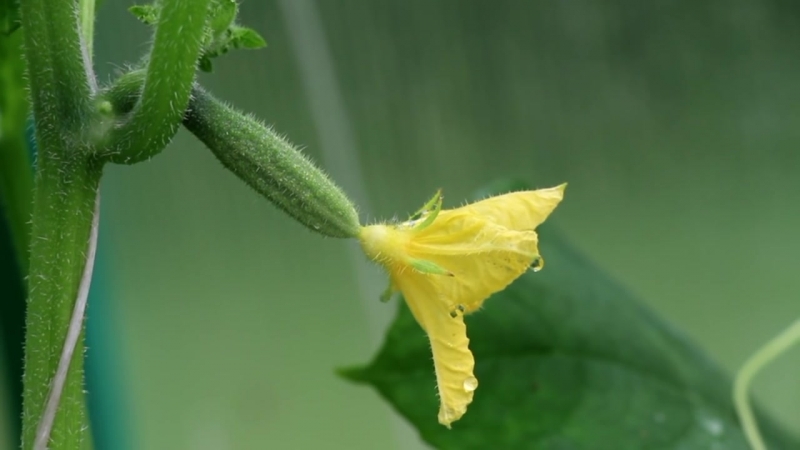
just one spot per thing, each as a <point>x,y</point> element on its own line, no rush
<point>65,188</point>
<point>80,127</point>
<point>167,84</point>
<point>74,131</point>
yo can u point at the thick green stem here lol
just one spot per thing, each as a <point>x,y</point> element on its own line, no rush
<point>65,186</point>
<point>58,80</point>
<point>168,83</point>
<point>64,201</point>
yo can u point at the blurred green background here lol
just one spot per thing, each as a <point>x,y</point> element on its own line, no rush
<point>675,123</point>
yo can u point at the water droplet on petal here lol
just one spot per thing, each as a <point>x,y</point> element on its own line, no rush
<point>470,384</point>
<point>537,264</point>
<point>453,314</point>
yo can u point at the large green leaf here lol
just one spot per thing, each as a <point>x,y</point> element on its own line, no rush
<point>566,359</point>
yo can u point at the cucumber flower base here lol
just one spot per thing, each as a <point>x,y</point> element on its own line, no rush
<point>446,263</point>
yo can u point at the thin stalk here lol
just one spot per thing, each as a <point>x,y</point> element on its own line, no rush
<point>744,378</point>
<point>86,17</point>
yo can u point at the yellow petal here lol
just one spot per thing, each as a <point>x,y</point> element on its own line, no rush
<point>481,256</point>
<point>483,267</point>
<point>452,360</point>
<point>523,210</point>
<point>447,262</point>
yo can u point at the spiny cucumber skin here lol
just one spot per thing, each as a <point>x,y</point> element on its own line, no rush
<point>272,166</point>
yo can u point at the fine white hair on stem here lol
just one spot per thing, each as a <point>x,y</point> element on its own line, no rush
<point>744,377</point>
<point>71,341</point>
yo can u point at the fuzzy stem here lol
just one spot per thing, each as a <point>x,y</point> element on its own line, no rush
<point>167,86</point>
<point>59,86</point>
<point>65,185</point>
<point>63,211</point>
<point>74,335</point>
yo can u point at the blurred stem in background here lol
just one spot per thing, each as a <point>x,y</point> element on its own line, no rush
<point>762,357</point>
<point>16,188</point>
<point>16,176</point>
<point>12,318</point>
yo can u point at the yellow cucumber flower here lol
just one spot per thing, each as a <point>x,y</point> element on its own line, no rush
<point>447,262</point>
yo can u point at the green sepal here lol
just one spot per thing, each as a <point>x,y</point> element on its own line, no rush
<point>436,204</point>
<point>234,37</point>
<point>387,294</point>
<point>147,14</point>
<point>222,13</point>
<point>243,37</point>
<point>427,206</point>
<point>429,268</point>
<point>221,35</point>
